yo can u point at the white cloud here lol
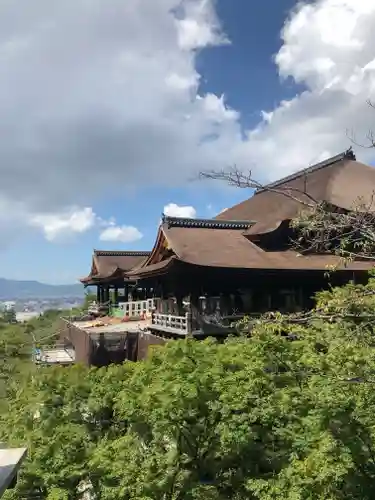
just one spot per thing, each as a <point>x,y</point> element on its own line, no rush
<point>174,210</point>
<point>55,226</point>
<point>116,103</point>
<point>199,26</point>
<point>124,78</point>
<point>60,226</point>
<point>329,47</point>
<point>124,234</point>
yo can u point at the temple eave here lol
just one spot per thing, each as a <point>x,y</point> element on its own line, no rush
<point>154,269</point>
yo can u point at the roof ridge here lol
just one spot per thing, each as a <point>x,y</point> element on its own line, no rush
<point>121,253</point>
<point>205,223</point>
<point>346,155</point>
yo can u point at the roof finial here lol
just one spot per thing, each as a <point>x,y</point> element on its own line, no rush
<point>349,154</point>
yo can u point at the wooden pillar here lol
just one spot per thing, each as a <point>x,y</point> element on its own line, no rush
<point>269,301</point>
<point>104,294</point>
<point>126,292</point>
<point>98,293</point>
<point>195,310</point>
<point>225,304</point>
<point>194,301</point>
<point>179,303</point>
<point>238,302</point>
<point>115,295</point>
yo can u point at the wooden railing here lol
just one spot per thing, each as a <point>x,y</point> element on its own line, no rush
<point>98,309</point>
<point>134,309</point>
<point>177,324</point>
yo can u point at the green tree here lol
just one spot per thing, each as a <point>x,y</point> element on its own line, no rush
<point>257,417</point>
<point>260,417</point>
<point>61,414</point>
<point>9,316</point>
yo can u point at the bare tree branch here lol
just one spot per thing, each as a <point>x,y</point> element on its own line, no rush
<point>370,134</point>
<point>235,177</point>
<point>347,233</point>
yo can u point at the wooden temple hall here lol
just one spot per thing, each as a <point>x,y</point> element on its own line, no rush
<point>203,275</point>
<point>108,275</point>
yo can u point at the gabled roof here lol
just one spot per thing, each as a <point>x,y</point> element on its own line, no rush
<point>346,155</point>
<point>340,181</point>
<point>206,242</point>
<point>225,242</point>
<point>110,263</point>
<point>222,244</point>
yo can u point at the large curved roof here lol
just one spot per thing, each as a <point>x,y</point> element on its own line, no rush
<point>223,244</point>
<point>225,241</point>
<point>108,263</point>
<point>341,181</point>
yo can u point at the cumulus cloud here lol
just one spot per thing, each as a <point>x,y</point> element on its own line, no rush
<point>174,210</point>
<point>116,103</point>
<point>199,26</point>
<point>328,47</point>
<point>110,105</point>
<point>123,234</point>
<point>74,221</point>
<point>58,227</point>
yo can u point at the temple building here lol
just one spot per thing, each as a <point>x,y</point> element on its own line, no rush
<point>107,274</point>
<point>101,336</point>
<point>210,272</point>
<point>203,275</point>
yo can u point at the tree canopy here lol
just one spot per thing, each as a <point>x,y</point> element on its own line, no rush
<point>285,411</point>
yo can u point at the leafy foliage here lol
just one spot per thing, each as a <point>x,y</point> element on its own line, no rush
<point>16,343</point>
<point>9,316</point>
<point>257,417</point>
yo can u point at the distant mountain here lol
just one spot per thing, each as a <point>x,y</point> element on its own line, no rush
<point>12,289</point>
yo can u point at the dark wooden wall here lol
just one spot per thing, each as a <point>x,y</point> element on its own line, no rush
<point>137,345</point>
<point>145,340</point>
<point>71,335</point>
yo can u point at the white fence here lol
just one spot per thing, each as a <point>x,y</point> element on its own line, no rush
<point>136,308</point>
<point>167,322</point>
<point>179,324</point>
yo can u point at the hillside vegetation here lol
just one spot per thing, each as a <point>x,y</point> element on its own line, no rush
<point>266,416</point>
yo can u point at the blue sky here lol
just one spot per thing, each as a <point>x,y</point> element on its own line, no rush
<point>109,130</point>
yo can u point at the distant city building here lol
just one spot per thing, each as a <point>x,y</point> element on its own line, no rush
<point>8,305</point>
